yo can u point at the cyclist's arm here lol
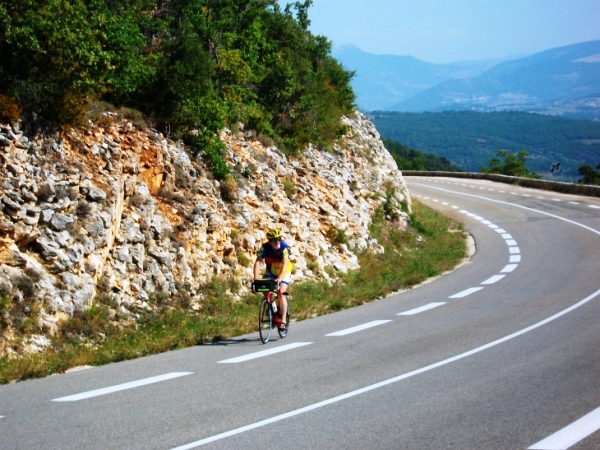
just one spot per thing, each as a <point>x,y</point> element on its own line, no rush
<point>284,269</point>
<point>257,265</point>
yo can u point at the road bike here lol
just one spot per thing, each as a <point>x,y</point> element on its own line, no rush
<point>268,309</point>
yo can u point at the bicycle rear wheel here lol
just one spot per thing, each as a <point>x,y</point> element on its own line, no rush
<point>283,333</point>
<point>265,321</point>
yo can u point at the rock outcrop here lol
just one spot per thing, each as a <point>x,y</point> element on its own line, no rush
<point>127,214</point>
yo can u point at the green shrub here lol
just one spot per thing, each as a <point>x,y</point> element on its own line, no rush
<point>510,164</point>
<point>312,264</point>
<point>243,258</point>
<point>337,236</point>
<point>289,188</point>
<point>589,175</point>
<point>183,67</point>
<point>9,109</point>
<point>170,196</point>
<point>229,189</point>
<point>25,284</point>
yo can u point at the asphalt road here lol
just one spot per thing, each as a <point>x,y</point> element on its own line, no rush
<point>502,353</point>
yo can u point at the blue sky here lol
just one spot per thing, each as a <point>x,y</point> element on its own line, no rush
<point>442,31</point>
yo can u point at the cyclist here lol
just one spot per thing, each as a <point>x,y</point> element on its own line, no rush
<point>275,253</point>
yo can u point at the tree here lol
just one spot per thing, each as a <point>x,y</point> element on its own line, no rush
<point>510,164</point>
<point>192,66</point>
<point>411,159</point>
<point>589,175</point>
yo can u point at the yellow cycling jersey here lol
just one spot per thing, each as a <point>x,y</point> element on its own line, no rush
<point>274,258</point>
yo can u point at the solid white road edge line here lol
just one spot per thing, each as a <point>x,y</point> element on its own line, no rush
<point>571,434</point>
<point>516,206</point>
<point>421,309</point>
<point>364,326</point>
<point>466,292</point>
<point>121,387</point>
<point>351,394</point>
<point>262,353</point>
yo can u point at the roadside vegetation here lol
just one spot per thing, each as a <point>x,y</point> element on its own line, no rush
<point>410,159</point>
<point>429,246</point>
<point>192,67</point>
<point>589,175</point>
<point>510,164</point>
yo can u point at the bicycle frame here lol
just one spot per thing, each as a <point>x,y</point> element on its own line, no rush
<point>266,312</point>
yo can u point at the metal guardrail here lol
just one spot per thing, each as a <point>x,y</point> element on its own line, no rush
<point>556,186</point>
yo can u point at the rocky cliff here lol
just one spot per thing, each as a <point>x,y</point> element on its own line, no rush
<point>125,215</point>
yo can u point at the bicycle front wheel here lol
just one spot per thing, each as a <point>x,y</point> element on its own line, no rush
<point>265,321</point>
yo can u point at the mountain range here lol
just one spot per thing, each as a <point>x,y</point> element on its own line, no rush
<point>562,81</point>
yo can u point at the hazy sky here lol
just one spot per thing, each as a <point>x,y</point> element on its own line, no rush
<point>443,31</point>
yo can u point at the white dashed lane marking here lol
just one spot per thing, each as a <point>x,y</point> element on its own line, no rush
<point>381,384</point>
<point>466,292</point>
<point>263,353</point>
<point>421,309</point>
<point>509,268</point>
<point>121,387</point>
<point>362,327</point>
<point>493,279</point>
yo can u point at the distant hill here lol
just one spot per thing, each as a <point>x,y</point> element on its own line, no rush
<point>563,81</point>
<point>382,81</point>
<point>468,139</point>
<point>410,159</point>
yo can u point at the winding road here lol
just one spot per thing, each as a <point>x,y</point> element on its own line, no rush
<point>502,353</point>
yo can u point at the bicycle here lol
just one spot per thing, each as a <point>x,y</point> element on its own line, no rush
<point>266,311</point>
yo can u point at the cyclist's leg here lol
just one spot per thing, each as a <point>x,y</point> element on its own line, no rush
<point>283,286</point>
<point>275,298</point>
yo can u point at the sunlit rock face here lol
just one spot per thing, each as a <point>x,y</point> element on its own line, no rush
<point>129,215</point>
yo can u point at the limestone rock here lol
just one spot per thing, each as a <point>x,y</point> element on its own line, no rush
<point>129,211</point>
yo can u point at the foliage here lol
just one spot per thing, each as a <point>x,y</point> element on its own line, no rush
<point>589,175</point>
<point>468,138</point>
<point>337,236</point>
<point>9,110</point>
<point>192,66</point>
<point>510,164</point>
<point>229,189</point>
<point>410,159</point>
<point>289,188</point>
